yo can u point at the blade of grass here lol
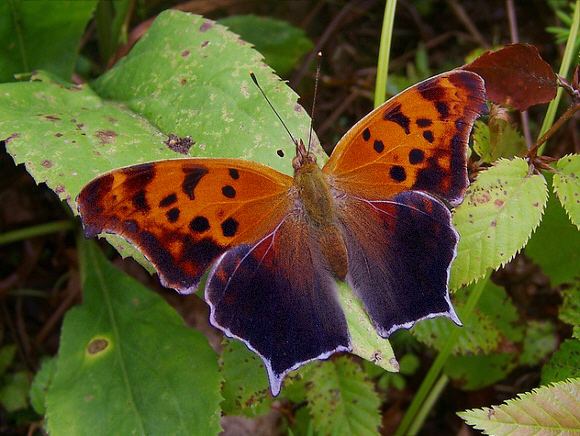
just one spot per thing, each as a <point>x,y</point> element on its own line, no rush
<point>419,406</point>
<point>384,52</point>
<point>30,232</point>
<point>564,69</point>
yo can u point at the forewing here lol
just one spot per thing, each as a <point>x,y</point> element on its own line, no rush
<point>399,252</point>
<point>183,214</point>
<point>416,140</point>
<point>279,297</point>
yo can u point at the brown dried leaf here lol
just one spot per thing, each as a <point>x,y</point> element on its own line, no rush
<point>516,75</point>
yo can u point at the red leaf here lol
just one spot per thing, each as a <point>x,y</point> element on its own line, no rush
<point>516,76</point>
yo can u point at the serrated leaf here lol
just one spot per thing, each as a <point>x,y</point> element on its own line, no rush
<point>281,43</point>
<point>170,78</point>
<point>564,363</point>
<point>567,186</point>
<point>500,211</point>
<point>168,83</point>
<point>245,389</point>
<point>32,39</point>
<point>570,308</point>
<point>472,373</point>
<point>341,401</point>
<point>493,322</point>
<point>366,343</point>
<point>539,343</point>
<point>497,139</point>
<point>548,410</point>
<point>554,246</point>
<point>40,384</point>
<point>127,363</point>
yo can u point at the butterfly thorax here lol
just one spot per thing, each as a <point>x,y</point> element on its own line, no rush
<point>318,205</point>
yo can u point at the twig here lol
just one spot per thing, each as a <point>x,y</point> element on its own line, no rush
<point>466,21</point>
<point>512,17</point>
<point>565,117</point>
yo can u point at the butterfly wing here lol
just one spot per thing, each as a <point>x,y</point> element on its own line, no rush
<point>389,173</point>
<point>278,296</point>
<point>183,214</point>
<point>415,141</point>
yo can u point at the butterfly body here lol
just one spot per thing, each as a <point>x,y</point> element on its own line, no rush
<point>374,215</point>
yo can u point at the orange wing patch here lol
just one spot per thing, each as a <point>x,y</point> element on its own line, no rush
<point>416,140</point>
<point>182,214</point>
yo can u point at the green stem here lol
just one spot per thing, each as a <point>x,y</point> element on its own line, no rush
<point>564,69</point>
<point>428,404</point>
<point>30,232</point>
<point>419,401</point>
<point>384,52</point>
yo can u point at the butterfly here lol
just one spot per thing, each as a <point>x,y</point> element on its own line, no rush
<point>375,215</point>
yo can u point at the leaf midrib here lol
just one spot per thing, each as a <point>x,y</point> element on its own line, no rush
<point>116,336</point>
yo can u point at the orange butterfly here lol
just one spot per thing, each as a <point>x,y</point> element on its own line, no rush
<point>374,215</point>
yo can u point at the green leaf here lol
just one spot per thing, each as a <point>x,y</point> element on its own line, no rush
<point>14,391</point>
<point>564,363</point>
<point>366,343</point>
<point>341,401</point>
<point>497,139</point>
<point>554,246</point>
<point>40,385</point>
<point>6,357</point>
<point>492,322</point>
<point>570,308</point>
<point>127,363</point>
<point>281,43</point>
<point>168,84</point>
<point>41,35</point>
<point>500,211</point>
<point>548,410</point>
<point>245,389</point>
<point>191,77</point>
<point>567,185</point>
<point>472,373</point>
<point>539,343</point>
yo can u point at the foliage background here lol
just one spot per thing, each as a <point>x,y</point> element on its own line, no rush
<point>524,315</point>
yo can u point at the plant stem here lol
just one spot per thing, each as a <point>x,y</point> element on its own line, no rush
<point>419,404</point>
<point>384,52</point>
<point>564,68</point>
<point>30,232</point>
<point>428,404</point>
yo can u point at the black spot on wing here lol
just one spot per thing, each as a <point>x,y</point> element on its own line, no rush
<point>429,178</point>
<point>234,174</point>
<point>168,200</point>
<point>139,201</point>
<point>229,227</point>
<point>172,214</point>
<point>379,146</point>
<point>366,134</point>
<point>443,109</point>
<point>229,191</point>
<point>423,122</point>
<point>192,177</point>
<point>416,156</point>
<point>199,224</point>
<point>428,135</point>
<point>398,173</point>
<point>395,115</point>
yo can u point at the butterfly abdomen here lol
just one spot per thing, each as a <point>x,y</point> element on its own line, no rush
<point>318,204</point>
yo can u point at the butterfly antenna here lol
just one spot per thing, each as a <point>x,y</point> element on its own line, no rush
<point>319,54</point>
<point>268,100</point>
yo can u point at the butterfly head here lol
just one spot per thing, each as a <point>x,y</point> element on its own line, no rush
<point>303,156</point>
